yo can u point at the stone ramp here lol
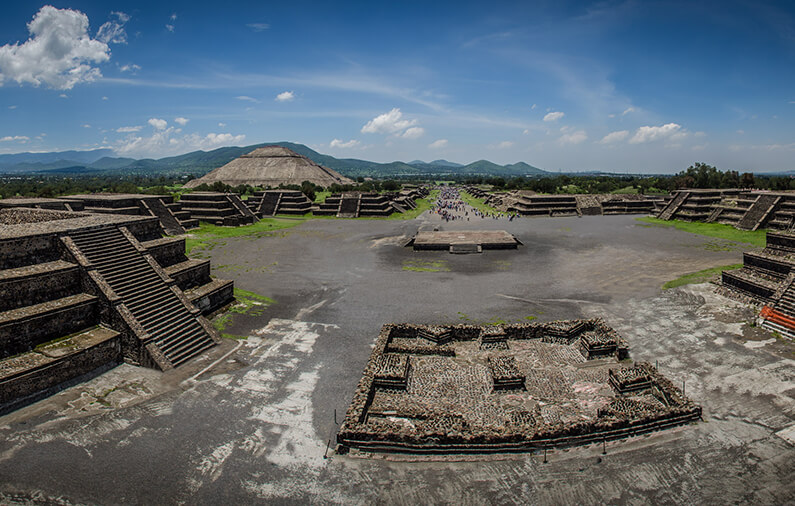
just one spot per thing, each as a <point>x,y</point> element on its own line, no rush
<point>673,206</point>
<point>166,320</point>
<point>758,212</point>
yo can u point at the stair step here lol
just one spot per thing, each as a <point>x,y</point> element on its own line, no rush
<point>189,354</point>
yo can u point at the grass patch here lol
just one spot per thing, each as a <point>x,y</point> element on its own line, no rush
<point>320,197</point>
<point>425,266</point>
<point>699,276</point>
<point>477,203</point>
<point>207,235</point>
<point>719,230</point>
<point>627,190</point>
<point>247,303</point>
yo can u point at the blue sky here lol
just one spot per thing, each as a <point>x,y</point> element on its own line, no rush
<point>616,86</point>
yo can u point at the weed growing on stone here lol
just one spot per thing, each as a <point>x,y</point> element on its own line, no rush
<point>425,266</point>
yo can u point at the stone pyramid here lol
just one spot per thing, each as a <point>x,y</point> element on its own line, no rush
<point>271,166</point>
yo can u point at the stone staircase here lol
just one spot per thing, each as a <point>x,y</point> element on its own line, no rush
<point>673,206</point>
<point>349,206</point>
<point>172,326</point>
<point>758,212</point>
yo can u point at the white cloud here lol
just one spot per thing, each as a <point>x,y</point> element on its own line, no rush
<point>246,98</point>
<point>104,98</point>
<point>338,143</point>
<point>181,121</point>
<point>63,95</point>
<point>222,124</point>
<point>741,132</point>
<point>19,138</point>
<point>615,137</point>
<point>553,116</point>
<point>533,107</point>
<point>12,107</point>
<point>258,27</point>
<point>700,134</point>
<point>173,17</point>
<point>128,129</point>
<point>170,28</point>
<point>285,96</point>
<point>628,110</point>
<point>59,52</point>
<point>130,67</point>
<point>113,31</point>
<point>653,133</point>
<point>413,133</point>
<point>504,145</point>
<point>575,137</point>
<point>86,125</point>
<point>164,143</point>
<point>391,122</point>
<point>438,144</point>
<point>159,124</point>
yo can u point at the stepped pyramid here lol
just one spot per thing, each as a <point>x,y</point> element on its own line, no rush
<point>271,166</point>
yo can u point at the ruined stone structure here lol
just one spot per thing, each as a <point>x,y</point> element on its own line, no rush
<point>743,209</point>
<point>523,387</point>
<point>224,209</point>
<point>271,202</point>
<point>766,278</point>
<point>271,166</point>
<point>463,241</point>
<point>530,204</point>
<point>355,204</point>
<point>82,291</point>
<point>172,218</point>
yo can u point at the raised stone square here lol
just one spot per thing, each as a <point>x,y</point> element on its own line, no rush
<point>463,241</point>
<point>541,389</point>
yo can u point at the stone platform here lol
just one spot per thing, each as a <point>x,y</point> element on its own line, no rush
<point>464,241</point>
<point>506,388</point>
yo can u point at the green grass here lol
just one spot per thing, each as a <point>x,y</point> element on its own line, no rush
<point>320,197</point>
<point>699,276</point>
<point>206,236</point>
<point>627,190</point>
<point>425,266</point>
<point>719,230</point>
<point>477,203</point>
<point>248,303</point>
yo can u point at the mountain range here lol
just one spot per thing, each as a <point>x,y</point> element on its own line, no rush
<point>201,162</point>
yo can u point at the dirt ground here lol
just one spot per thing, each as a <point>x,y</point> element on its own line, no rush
<point>252,420</point>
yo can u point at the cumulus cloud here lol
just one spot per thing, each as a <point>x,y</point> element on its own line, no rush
<point>613,137</point>
<point>12,138</point>
<point>391,122</point>
<point>157,123</point>
<point>165,142</point>
<point>553,116</point>
<point>339,143</point>
<point>128,129</point>
<point>181,121</point>
<point>285,96</point>
<point>59,52</point>
<point>413,133</point>
<point>670,131</point>
<point>438,144</point>
<point>574,137</point>
<point>113,31</point>
<point>258,27</point>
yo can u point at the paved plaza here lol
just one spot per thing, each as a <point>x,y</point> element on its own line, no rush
<point>255,419</point>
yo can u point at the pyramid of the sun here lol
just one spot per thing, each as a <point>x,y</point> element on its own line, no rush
<point>271,166</point>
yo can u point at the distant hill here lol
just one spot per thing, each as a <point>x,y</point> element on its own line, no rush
<point>201,162</point>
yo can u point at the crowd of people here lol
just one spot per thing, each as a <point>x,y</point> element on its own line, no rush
<point>450,207</point>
